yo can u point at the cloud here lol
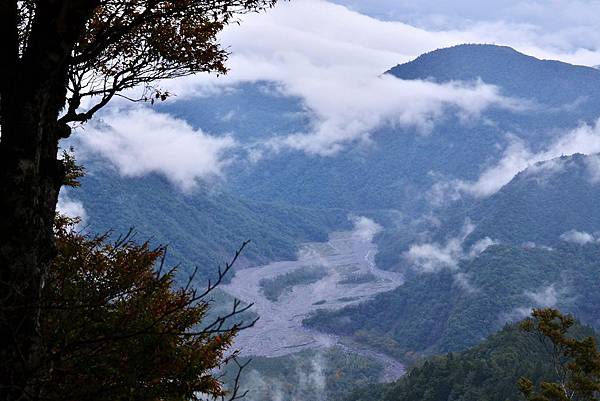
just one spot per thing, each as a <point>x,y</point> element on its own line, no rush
<point>567,25</point>
<point>533,245</point>
<point>346,113</point>
<point>333,58</point>
<point>429,258</point>
<point>434,257</point>
<point>140,141</point>
<point>578,237</point>
<point>480,246</point>
<point>463,281</point>
<point>307,378</point>
<point>546,297</point>
<point>70,207</point>
<point>517,157</point>
<point>365,228</point>
<point>593,168</point>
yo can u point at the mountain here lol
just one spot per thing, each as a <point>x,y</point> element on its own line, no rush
<point>549,82</point>
<point>434,312</point>
<point>537,206</point>
<point>486,372</point>
<point>532,243</point>
<point>543,253</point>
<point>542,202</point>
<point>203,228</point>
<point>400,165</point>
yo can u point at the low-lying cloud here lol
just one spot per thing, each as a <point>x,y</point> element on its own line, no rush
<point>579,237</point>
<point>434,257</point>
<point>517,157</point>
<point>349,113</point>
<point>332,58</point>
<point>365,228</point>
<point>301,382</point>
<point>70,207</point>
<point>140,141</point>
<point>545,297</point>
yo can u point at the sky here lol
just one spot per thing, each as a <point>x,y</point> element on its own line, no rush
<point>331,54</point>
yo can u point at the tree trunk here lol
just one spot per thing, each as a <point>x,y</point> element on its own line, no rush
<point>30,178</point>
<point>33,92</point>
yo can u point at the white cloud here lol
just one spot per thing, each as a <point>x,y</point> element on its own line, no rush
<point>332,58</point>
<point>567,25</point>
<point>346,113</point>
<point>578,237</point>
<point>533,245</point>
<point>593,168</point>
<point>480,246</point>
<point>429,258</point>
<point>141,141</point>
<point>433,257</point>
<point>365,228</point>
<point>70,207</point>
<point>546,297</point>
<point>517,157</point>
<point>463,281</point>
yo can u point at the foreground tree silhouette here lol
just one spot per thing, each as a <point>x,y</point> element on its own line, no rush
<point>575,362</point>
<point>60,62</point>
<point>115,326</point>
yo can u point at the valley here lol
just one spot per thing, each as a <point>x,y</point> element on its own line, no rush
<point>469,225</point>
<point>313,200</point>
<point>280,331</point>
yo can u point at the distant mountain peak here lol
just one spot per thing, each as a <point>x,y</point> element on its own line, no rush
<point>519,75</point>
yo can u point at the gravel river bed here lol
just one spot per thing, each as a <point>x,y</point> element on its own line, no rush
<point>279,331</point>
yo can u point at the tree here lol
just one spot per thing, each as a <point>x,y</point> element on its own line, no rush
<point>54,54</point>
<point>575,362</point>
<point>114,326</point>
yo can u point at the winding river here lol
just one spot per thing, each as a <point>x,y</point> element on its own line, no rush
<point>279,330</point>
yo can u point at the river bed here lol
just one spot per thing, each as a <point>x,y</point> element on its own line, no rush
<point>279,331</point>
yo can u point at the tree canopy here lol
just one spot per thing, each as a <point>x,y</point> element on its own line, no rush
<point>115,325</point>
<point>576,361</point>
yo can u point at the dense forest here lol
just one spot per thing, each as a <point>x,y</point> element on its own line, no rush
<point>489,371</point>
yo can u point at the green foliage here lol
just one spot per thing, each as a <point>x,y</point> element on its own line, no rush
<point>204,227</point>
<point>519,75</point>
<point>115,327</point>
<point>486,372</point>
<point>274,288</point>
<point>575,361</point>
<point>430,313</point>
<point>395,170</point>
<point>328,374</point>
<point>537,206</point>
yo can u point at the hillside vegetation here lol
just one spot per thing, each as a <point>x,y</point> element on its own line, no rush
<point>487,372</point>
<point>432,313</point>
